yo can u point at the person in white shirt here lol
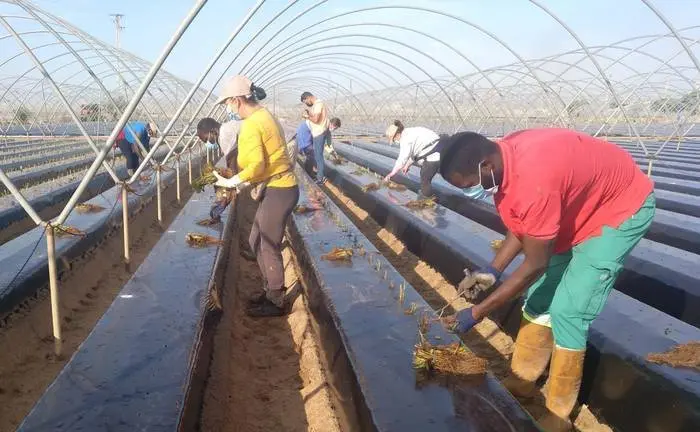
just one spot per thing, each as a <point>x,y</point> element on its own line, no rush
<point>414,142</point>
<point>225,136</point>
<point>316,116</point>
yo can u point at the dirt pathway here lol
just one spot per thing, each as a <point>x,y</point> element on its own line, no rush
<point>27,363</point>
<point>488,341</point>
<point>266,373</point>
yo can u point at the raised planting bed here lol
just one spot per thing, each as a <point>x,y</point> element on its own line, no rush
<point>625,333</point>
<point>40,160</point>
<point>368,336</point>
<point>28,251</point>
<point>143,366</point>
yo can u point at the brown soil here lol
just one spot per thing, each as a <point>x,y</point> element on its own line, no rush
<point>682,356</point>
<point>487,340</point>
<point>86,292</point>
<point>266,373</point>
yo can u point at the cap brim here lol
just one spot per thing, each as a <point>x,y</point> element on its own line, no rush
<point>221,100</point>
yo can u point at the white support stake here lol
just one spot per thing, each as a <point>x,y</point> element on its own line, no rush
<point>53,289</point>
<point>189,167</point>
<point>158,186</point>
<point>125,223</point>
<point>177,178</point>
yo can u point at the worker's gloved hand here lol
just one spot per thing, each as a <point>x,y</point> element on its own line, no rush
<point>461,322</point>
<point>387,179</point>
<point>232,183</point>
<point>476,282</point>
<point>211,146</point>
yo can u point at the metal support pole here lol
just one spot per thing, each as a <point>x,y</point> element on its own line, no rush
<point>177,178</point>
<point>125,223</point>
<point>158,187</point>
<point>189,166</point>
<point>651,162</point>
<point>53,289</point>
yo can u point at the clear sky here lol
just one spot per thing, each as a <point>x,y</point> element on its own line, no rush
<point>523,26</point>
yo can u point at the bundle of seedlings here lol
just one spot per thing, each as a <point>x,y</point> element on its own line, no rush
<point>453,359</point>
<point>395,186</point>
<point>681,356</point>
<point>370,187</point>
<point>65,231</point>
<point>208,177</point>
<point>496,244</point>
<point>421,204</point>
<point>338,254</point>
<point>200,240</point>
<point>302,209</point>
<point>88,208</point>
<point>360,171</point>
<point>337,160</point>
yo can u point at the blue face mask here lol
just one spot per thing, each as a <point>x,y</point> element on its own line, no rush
<point>478,191</point>
<point>232,115</point>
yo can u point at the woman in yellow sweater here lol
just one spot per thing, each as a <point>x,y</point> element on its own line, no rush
<point>262,159</point>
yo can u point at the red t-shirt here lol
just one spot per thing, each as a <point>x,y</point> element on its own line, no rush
<point>563,184</point>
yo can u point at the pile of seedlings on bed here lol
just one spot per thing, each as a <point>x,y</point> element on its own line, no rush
<point>369,187</point>
<point>421,204</point>
<point>199,240</point>
<point>338,254</point>
<point>88,208</point>
<point>680,356</point>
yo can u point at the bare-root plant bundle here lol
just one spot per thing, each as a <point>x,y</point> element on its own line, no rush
<point>200,240</point>
<point>208,177</point>
<point>395,186</point>
<point>370,187</point>
<point>302,209</point>
<point>421,204</point>
<point>453,359</point>
<point>88,208</point>
<point>338,254</point>
<point>680,356</point>
<point>65,231</point>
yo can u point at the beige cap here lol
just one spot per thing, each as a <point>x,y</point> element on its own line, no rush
<point>235,86</point>
<point>391,131</point>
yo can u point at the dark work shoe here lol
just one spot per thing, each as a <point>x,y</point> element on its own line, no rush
<point>266,309</point>
<point>248,254</point>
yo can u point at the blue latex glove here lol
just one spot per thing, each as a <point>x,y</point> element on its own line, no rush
<point>464,321</point>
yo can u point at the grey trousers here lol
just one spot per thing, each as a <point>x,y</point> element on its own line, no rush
<point>266,237</point>
<point>427,172</point>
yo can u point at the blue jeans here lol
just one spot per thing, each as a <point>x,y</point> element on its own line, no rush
<point>318,143</point>
<point>132,158</point>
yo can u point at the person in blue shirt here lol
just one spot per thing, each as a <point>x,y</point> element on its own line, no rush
<point>304,141</point>
<point>127,143</point>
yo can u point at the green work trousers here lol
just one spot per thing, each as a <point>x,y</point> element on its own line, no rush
<point>574,288</point>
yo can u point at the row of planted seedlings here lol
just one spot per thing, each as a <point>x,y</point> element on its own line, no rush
<point>452,359</point>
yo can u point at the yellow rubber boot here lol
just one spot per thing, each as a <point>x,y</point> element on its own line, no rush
<point>562,389</point>
<point>533,347</point>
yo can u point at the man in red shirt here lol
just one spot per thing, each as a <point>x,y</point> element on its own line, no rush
<point>575,206</point>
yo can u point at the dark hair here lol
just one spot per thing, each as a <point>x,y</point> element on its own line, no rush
<point>305,95</point>
<point>207,124</point>
<point>399,126</point>
<point>464,151</point>
<point>257,93</point>
<point>335,121</point>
